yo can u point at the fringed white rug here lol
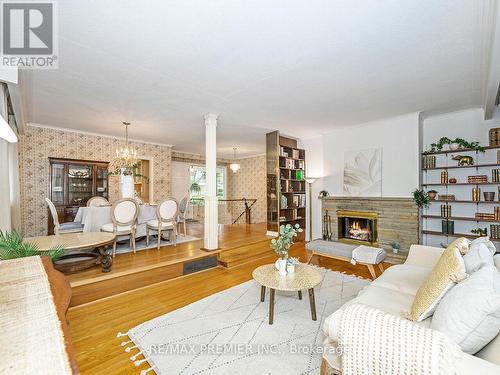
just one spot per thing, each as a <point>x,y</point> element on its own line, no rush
<point>228,332</point>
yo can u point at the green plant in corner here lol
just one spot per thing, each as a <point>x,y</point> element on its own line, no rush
<point>282,244</point>
<point>421,198</point>
<point>12,247</point>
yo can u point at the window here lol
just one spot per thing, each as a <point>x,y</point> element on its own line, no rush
<point>198,182</point>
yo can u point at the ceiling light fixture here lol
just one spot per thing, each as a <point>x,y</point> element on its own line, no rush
<point>126,156</point>
<point>6,131</point>
<point>235,167</point>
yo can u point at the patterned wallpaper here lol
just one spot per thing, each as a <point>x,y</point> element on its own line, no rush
<point>250,182</point>
<point>38,144</point>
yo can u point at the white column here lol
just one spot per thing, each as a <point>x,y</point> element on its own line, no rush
<point>211,240</point>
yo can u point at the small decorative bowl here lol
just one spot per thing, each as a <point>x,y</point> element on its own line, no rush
<point>489,196</point>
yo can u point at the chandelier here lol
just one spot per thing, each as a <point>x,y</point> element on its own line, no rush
<point>235,167</point>
<point>126,157</point>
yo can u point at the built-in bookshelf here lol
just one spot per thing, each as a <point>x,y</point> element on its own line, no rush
<point>286,186</point>
<point>460,205</point>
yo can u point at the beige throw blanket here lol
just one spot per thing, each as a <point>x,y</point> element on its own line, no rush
<point>377,343</point>
<point>31,338</point>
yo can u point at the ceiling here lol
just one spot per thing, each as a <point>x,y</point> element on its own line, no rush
<point>303,67</point>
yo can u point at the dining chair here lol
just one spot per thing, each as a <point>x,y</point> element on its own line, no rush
<point>97,201</point>
<point>166,213</point>
<point>124,214</point>
<point>181,217</point>
<point>61,228</point>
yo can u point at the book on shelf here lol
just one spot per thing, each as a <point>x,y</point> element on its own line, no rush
<point>484,216</point>
<point>445,210</point>
<point>298,200</point>
<point>448,226</point>
<point>477,179</point>
<point>429,161</point>
<point>495,175</point>
<point>495,231</point>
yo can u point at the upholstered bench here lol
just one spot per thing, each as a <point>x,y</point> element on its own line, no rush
<point>344,251</point>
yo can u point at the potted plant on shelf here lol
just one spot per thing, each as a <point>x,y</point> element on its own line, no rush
<point>432,194</point>
<point>290,264</point>
<point>282,244</point>
<point>395,247</point>
<point>127,173</point>
<point>421,198</point>
<point>455,144</point>
<point>12,247</point>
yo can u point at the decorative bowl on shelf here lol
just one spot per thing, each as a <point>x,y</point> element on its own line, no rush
<point>489,196</point>
<point>452,181</point>
<point>453,146</point>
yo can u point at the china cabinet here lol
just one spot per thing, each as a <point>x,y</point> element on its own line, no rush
<point>72,183</point>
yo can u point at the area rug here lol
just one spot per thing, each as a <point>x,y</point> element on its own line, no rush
<point>228,332</point>
<point>124,247</point>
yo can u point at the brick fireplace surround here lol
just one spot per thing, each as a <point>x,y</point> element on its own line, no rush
<point>397,220</point>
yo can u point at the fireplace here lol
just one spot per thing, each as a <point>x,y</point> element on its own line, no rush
<point>358,227</point>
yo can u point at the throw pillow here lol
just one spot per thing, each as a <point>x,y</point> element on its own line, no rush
<point>470,313</point>
<point>449,270</point>
<point>479,255</point>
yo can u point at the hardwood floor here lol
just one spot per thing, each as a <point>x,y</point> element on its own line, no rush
<point>94,326</point>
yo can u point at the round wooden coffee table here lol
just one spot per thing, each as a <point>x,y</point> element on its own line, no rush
<point>97,241</point>
<point>304,277</point>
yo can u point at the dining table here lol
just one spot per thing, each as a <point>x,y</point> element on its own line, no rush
<point>93,218</point>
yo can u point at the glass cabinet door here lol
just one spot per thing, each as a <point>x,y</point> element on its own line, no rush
<point>57,182</point>
<point>102,182</point>
<point>79,184</point>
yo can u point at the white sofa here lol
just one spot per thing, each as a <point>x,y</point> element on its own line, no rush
<point>393,292</point>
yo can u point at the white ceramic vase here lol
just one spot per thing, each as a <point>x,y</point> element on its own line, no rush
<point>281,266</point>
<point>290,268</point>
<point>453,146</point>
<point>127,186</point>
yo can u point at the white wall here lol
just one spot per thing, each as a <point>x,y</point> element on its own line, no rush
<point>314,168</point>
<point>468,124</point>
<point>398,139</point>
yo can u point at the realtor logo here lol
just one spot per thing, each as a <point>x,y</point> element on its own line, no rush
<point>28,34</point>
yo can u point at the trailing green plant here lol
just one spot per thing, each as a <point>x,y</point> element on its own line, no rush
<point>462,143</point>
<point>282,244</point>
<point>421,198</point>
<point>126,170</point>
<point>12,247</point>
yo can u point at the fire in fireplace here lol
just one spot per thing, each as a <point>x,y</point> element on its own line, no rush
<point>358,227</point>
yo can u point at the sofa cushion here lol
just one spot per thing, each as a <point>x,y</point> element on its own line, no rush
<point>388,300</point>
<point>449,269</point>
<point>403,278</point>
<point>480,254</point>
<point>470,313</point>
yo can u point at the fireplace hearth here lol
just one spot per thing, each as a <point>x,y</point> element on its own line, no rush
<point>358,227</point>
